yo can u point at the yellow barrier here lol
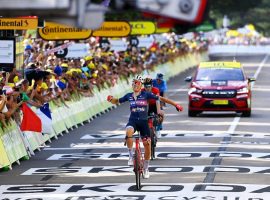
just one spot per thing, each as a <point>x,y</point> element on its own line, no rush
<point>15,145</point>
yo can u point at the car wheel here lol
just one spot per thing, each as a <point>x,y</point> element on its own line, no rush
<point>192,113</point>
<point>246,113</point>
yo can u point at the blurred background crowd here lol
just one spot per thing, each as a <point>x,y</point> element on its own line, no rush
<point>45,78</point>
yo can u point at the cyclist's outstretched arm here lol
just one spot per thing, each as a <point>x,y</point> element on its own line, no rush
<point>169,101</point>
<point>113,100</point>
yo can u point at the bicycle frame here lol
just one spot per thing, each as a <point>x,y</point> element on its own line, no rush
<point>138,162</point>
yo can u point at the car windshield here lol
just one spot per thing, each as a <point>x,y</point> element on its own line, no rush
<point>220,74</point>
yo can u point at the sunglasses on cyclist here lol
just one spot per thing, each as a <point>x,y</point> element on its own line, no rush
<point>137,83</point>
<point>147,86</point>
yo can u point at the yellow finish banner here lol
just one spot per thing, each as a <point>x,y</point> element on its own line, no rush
<point>113,29</point>
<point>54,31</point>
<point>142,28</point>
<point>18,23</point>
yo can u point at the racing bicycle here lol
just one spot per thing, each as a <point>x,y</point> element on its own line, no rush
<point>138,161</point>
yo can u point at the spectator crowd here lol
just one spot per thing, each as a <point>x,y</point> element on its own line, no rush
<point>46,78</point>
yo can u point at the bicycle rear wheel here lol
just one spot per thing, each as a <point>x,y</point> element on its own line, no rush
<point>137,170</point>
<point>153,144</point>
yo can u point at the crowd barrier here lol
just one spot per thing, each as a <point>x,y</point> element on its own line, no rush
<point>16,145</point>
<point>234,50</point>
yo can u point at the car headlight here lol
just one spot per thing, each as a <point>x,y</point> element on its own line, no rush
<point>194,90</point>
<point>242,90</point>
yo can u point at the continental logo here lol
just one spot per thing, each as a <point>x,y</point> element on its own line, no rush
<point>55,31</point>
<point>18,23</point>
<point>49,30</point>
<point>113,29</point>
<point>121,28</point>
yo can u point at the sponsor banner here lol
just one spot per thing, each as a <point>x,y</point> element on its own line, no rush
<point>18,23</point>
<point>145,42</point>
<point>118,45</point>
<point>58,48</point>
<point>161,39</point>
<point>7,51</point>
<point>101,171</point>
<point>127,191</point>
<point>113,29</point>
<point>162,155</point>
<point>142,28</point>
<point>54,31</point>
<point>77,50</point>
<point>163,30</point>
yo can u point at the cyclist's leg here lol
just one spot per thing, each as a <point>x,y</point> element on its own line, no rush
<point>130,129</point>
<point>145,135</point>
<point>153,109</point>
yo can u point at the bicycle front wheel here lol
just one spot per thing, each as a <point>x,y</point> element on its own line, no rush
<point>153,144</point>
<point>137,170</point>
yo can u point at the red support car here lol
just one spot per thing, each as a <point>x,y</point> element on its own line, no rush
<point>219,86</point>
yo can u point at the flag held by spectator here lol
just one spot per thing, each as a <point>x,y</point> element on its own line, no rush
<point>30,121</point>
<point>44,114</point>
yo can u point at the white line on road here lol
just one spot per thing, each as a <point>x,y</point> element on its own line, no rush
<point>237,119</point>
<point>261,66</point>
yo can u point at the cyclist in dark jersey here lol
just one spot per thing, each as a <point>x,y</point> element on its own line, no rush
<point>154,106</point>
<point>138,118</point>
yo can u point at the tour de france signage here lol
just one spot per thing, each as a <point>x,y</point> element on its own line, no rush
<point>18,23</point>
<point>113,29</point>
<point>55,31</point>
<point>142,28</point>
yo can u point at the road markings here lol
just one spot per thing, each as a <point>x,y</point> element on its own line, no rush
<point>105,171</point>
<point>164,155</point>
<point>127,191</point>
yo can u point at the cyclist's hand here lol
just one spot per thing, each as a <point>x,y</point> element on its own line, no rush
<point>179,108</point>
<point>109,98</point>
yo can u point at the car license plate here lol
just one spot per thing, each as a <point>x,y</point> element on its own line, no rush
<point>220,102</point>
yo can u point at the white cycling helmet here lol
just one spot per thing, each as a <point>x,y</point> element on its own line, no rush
<point>138,78</point>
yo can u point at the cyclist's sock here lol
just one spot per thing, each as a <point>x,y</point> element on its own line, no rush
<point>146,164</point>
<point>130,152</point>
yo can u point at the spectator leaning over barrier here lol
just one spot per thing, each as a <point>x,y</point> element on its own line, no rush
<point>24,92</point>
<point>3,109</point>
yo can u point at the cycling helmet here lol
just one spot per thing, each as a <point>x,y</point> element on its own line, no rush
<point>160,76</point>
<point>148,82</point>
<point>138,78</point>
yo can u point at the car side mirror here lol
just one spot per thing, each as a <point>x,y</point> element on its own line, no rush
<point>188,78</point>
<point>251,79</point>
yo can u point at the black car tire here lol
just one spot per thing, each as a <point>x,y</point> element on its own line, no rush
<point>246,113</point>
<point>192,113</point>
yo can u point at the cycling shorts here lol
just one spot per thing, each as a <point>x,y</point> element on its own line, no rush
<point>141,126</point>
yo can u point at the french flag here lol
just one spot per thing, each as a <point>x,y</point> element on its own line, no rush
<point>39,121</point>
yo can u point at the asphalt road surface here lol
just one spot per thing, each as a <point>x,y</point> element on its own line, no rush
<point>215,156</point>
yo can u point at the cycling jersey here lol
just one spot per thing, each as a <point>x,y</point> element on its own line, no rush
<point>161,86</point>
<point>138,107</point>
<point>152,102</point>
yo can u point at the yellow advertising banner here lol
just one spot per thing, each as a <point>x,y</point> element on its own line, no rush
<point>113,29</point>
<point>18,23</point>
<point>142,28</point>
<point>54,31</point>
<point>163,30</point>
